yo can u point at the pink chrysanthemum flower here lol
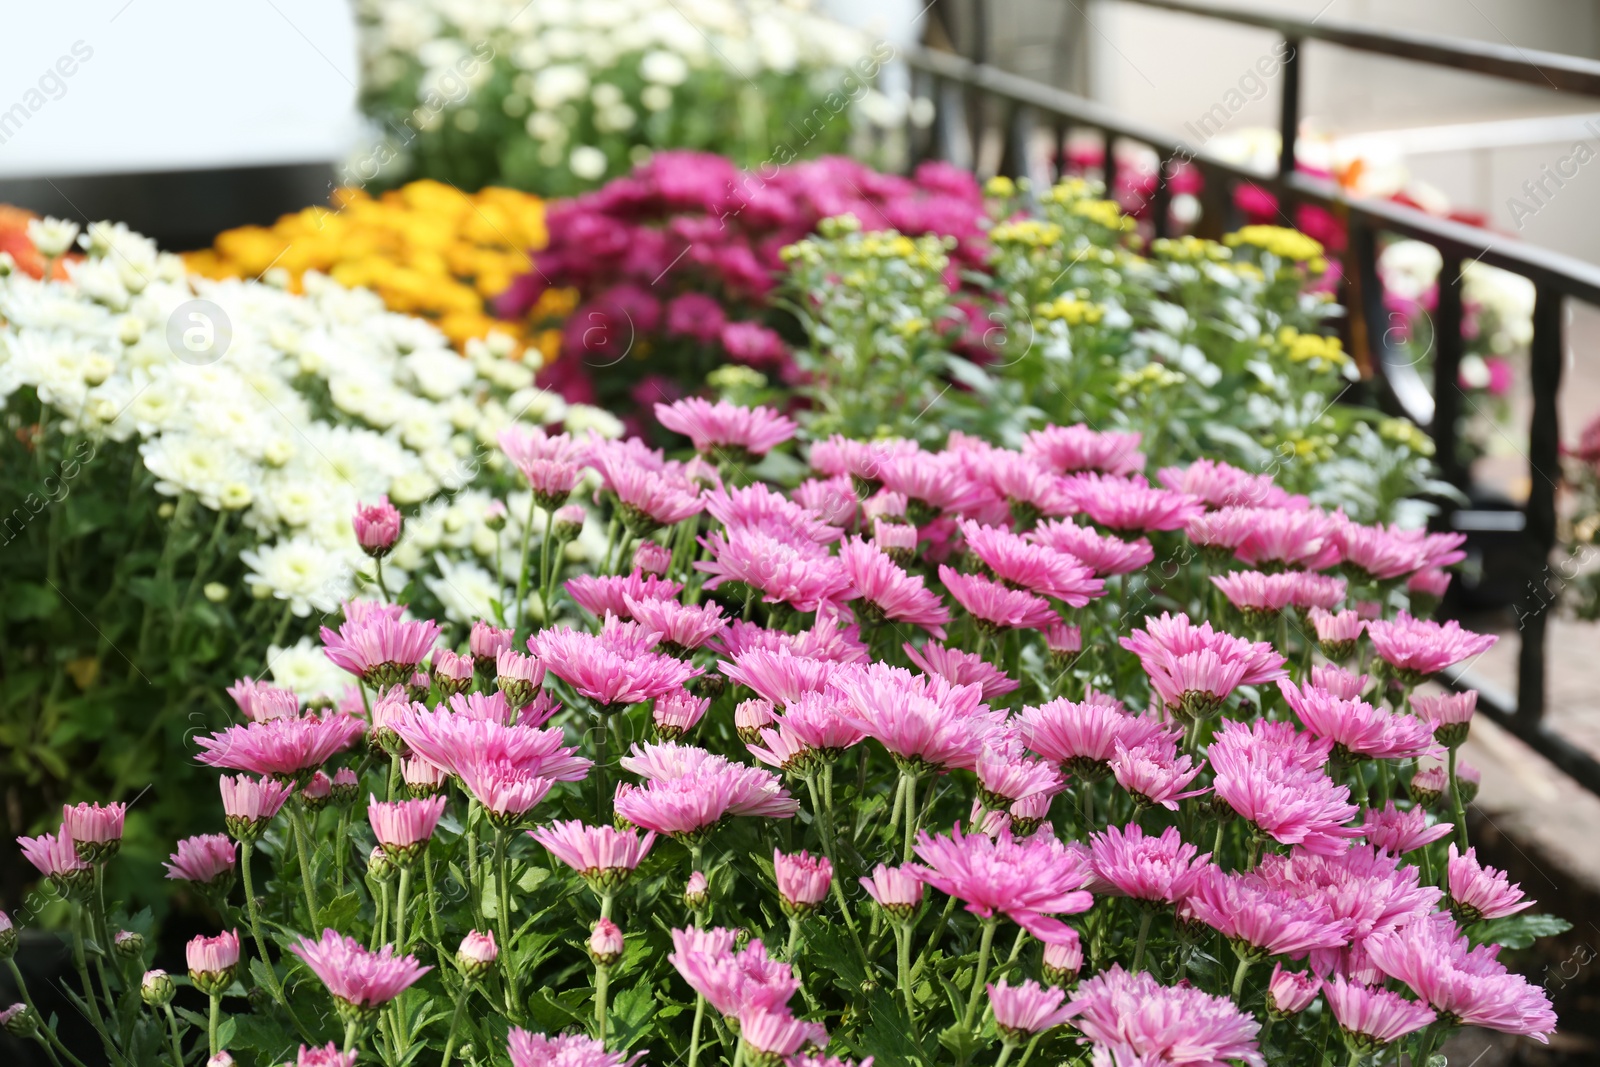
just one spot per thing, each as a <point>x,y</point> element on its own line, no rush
<point>1337,681</point>
<point>55,856</point>
<point>725,427</point>
<point>282,746</point>
<point>802,879</point>
<point>771,1035</point>
<point>731,982</point>
<point>1024,1010</point>
<point>452,670</point>
<point>206,859</point>
<point>1357,729</point>
<point>682,627</point>
<point>325,1056</point>
<point>1337,634</point>
<point>861,461</point>
<point>1006,775</point>
<point>1177,635</point>
<point>248,804</point>
<point>1153,772</point>
<point>931,483</point>
<point>676,713</point>
<point>423,779</point>
<point>996,607</point>
<point>403,827</point>
<point>1371,1017</point>
<point>1027,486</point>
<point>1030,566</point>
<point>95,829</point>
<point>1431,582</point>
<point>1259,597</point>
<point>1223,531</point>
<point>377,527</point>
<point>1449,714</point>
<point>1478,892</point>
<point>830,638</point>
<point>1421,648</point>
<point>1194,685</point>
<point>780,676</point>
<point>1402,831</point>
<point>960,668</point>
<point>213,960</point>
<point>1027,881</point>
<point>1104,554</point>
<point>799,573</point>
<point>1291,992</point>
<point>567,1050</point>
<point>1082,737</point>
<point>602,596</point>
<point>506,790</point>
<point>1376,552</point>
<point>1272,776</point>
<point>1299,537</point>
<point>652,558</point>
<point>477,953</point>
<point>650,492</point>
<point>1156,1024</point>
<point>1069,449</point>
<point>815,729</point>
<point>452,740</point>
<point>689,807</point>
<point>518,676</point>
<point>1223,486</point>
<point>1315,592</point>
<point>359,980</point>
<point>885,592</point>
<point>1155,869</point>
<point>1262,920</point>
<point>380,650</point>
<point>832,500</point>
<point>260,702</point>
<point>1368,889</point>
<point>604,856</point>
<point>897,890</point>
<point>610,679</point>
<point>761,508</point>
<point>924,722</point>
<point>1467,987</point>
<point>1130,504</point>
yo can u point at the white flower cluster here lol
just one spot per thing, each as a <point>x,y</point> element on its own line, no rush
<point>597,69</point>
<point>287,410</point>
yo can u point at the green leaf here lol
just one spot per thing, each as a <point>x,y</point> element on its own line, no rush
<point>959,1040</point>
<point>1517,931</point>
<point>340,912</point>
<point>631,1012</point>
<point>29,600</point>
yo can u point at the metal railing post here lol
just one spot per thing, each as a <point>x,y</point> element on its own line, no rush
<point>1544,474</point>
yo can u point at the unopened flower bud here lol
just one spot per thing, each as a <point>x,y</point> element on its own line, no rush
<point>379,867</point>
<point>317,791</point>
<point>476,954</point>
<point>751,716</point>
<point>695,891</point>
<point>8,937</point>
<point>19,1020</point>
<point>605,943</point>
<point>128,944</point>
<point>377,527</point>
<point>803,881</point>
<point>569,521</point>
<point>1063,962</point>
<point>345,785</point>
<point>157,988</point>
<point>222,1059</point>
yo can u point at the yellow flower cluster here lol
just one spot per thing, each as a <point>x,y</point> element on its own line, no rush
<point>1149,377</point>
<point>1315,350</point>
<point>1408,433</point>
<point>1034,233</point>
<point>427,249</point>
<point>1069,191</point>
<point>841,237</point>
<point>1106,213</point>
<point>1072,308</point>
<point>1000,187</point>
<point>1283,243</point>
<point>1312,447</point>
<point>1189,249</point>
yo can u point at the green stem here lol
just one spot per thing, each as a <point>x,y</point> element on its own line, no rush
<point>172,1034</point>
<point>1006,1048</point>
<point>1028,1053</point>
<point>216,1021</point>
<point>1144,934</point>
<point>351,1030</point>
<point>382,588</point>
<point>433,903</point>
<point>246,850</point>
<point>910,780</point>
<point>933,938</point>
<point>602,979</point>
<point>694,1030</point>
<point>503,915</point>
<point>48,1034</point>
<point>544,561</point>
<point>600,812</point>
<point>89,995</point>
<point>455,1021</point>
<point>400,908</point>
<point>985,945</point>
<point>1238,979</point>
<point>301,839</point>
<point>1457,812</point>
<point>522,576</point>
<point>902,951</point>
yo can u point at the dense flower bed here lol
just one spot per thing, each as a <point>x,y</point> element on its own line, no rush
<point>940,755</point>
<point>677,265</point>
<point>558,96</point>
<point>427,249</point>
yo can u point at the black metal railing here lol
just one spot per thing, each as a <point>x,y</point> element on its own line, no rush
<point>976,105</point>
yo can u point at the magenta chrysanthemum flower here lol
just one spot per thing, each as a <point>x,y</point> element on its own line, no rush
<point>862,461</point>
<point>1130,504</point>
<point>1104,554</point>
<point>506,790</point>
<point>1449,714</point>
<point>1467,987</point>
<point>212,960</point>
<point>377,527</point>
<point>1272,775</point>
<point>259,701</point>
<point>1368,889</point>
<point>779,676</point>
<point>602,596</point>
<point>402,827</point>
<point>758,507</point>
<point>1193,685</point>
<point>732,983</point>
<point>1258,596</point>
<point>1082,737</point>
<point>996,607</point>
<point>681,627</point>
<point>567,1050</point>
<point>1291,537</point>
<point>1157,869</point>
<point>1402,831</point>
<point>1431,582</point>
<point>1027,486</point>
<point>358,979</point>
<point>885,592</point>
<point>726,427</point>
<point>1316,592</point>
<point>282,746</point>
<point>1371,1017</point>
<point>799,573</point>
<point>1376,552</point>
<point>204,859</point>
<point>451,740</point>
<point>1338,681</point>
<point>95,829</point>
<point>1155,1024</point>
<point>1291,992</point>
<point>1027,565</point>
<point>1153,772</point>
<point>925,722</point>
<point>1223,486</point>
<point>690,806</point>
<point>1357,729</point>
<point>325,1056</point>
<point>1028,1009</point>
<point>676,713</point>
<point>1421,648</point>
<point>1006,775</point>
<point>1027,880</point>
<point>960,668</point>
<point>248,804</point>
<point>379,649</point>
<point>1176,635</point>
<point>1263,920</point>
<point>897,890</point>
<point>604,856</point>
<point>773,1034</point>
<point>931,483</point>
<point>610,679</point>
<point>802,880</point>
<point>54,855</point>
<point>1478,892</point>
<point>650,492</point>
<point>1069,449</point>
<point>829,638</point>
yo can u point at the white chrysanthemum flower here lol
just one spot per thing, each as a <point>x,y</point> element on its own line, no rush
<point>52,237</point>
<point>186,462</point>
<point>466,591</point>
<point>306,670</point>
<point>299,570</point>
<point>663,68</point>
<point>584,417</point>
